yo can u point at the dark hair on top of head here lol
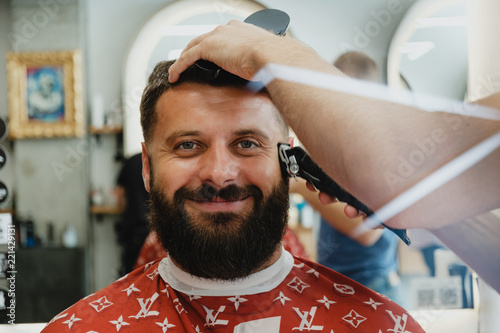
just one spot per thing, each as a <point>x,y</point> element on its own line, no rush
<point>158,83</point>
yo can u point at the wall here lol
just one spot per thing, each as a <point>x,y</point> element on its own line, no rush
<point>110,28</point>
<point>39,192</point>
<point>104,30</point>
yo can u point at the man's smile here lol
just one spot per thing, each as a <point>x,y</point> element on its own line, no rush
<point>218,204</point>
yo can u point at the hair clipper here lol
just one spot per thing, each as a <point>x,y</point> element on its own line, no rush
<point>295,162</point>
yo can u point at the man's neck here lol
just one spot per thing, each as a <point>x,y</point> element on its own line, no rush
<point>272,259</point>
<point>269,275</point>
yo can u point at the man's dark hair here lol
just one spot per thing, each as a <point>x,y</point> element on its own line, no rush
<point>158,83</point>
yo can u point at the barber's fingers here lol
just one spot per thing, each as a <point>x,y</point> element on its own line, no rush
<point>188,57</point>
<point>310,187</point>
<point>233,47</point>
<point>210,46</point>
<point>325,199</point>
<point>194,51</point>
<point>352,212</point>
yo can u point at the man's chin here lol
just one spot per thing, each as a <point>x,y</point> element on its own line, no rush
<point>219,223</point>
<point>211,215</point>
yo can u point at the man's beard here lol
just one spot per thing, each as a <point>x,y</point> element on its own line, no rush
<point>225,245</point>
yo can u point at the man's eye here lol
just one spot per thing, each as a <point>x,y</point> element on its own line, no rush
<point>247,144</point>
<point>186,145</point>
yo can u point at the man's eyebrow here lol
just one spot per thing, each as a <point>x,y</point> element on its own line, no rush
<point>180,134</point>
<point>252,131</point>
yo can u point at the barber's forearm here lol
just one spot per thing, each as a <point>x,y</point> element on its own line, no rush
<point>377,150</point>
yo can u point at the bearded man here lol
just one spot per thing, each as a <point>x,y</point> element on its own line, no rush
<point>219,205</point>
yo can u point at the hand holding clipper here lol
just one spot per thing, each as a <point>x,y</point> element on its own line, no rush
<point>295,162</point>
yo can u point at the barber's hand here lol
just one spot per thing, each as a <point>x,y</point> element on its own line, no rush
<point>235,47</point>
<point>243,48</point>
<point>352,212</point>
<point>326,199</point>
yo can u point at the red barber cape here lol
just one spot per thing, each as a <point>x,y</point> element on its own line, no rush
<point>292,295</point>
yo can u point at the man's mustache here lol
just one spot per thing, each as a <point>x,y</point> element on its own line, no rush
<point>208,193</point>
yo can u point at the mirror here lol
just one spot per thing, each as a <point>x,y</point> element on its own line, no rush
<point>428,53</point>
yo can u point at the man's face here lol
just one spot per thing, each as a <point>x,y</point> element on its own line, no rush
<point>218,197</point>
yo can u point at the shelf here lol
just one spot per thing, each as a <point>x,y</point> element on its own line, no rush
<point>106,130</point>
<point>98,132</point>
<point>105,210</point>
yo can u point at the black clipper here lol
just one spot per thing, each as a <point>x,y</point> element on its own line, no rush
<point>273,20</point>
<point>295,162</point>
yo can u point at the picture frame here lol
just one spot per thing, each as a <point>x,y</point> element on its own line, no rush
<point>45,94</point>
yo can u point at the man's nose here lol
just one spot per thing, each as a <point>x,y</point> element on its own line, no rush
<point>219,167</point>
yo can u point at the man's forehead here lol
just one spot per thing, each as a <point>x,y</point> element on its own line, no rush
<point>234,104</point>
<point>193,89</point>
<point>204,97</point>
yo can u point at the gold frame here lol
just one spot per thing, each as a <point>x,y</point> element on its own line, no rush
<point>71,122</point>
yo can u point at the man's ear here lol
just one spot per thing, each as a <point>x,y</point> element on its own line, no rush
<point>145,166</point>
<point>290,141</point>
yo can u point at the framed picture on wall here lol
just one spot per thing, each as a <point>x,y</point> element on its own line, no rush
<point>45,94</point>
